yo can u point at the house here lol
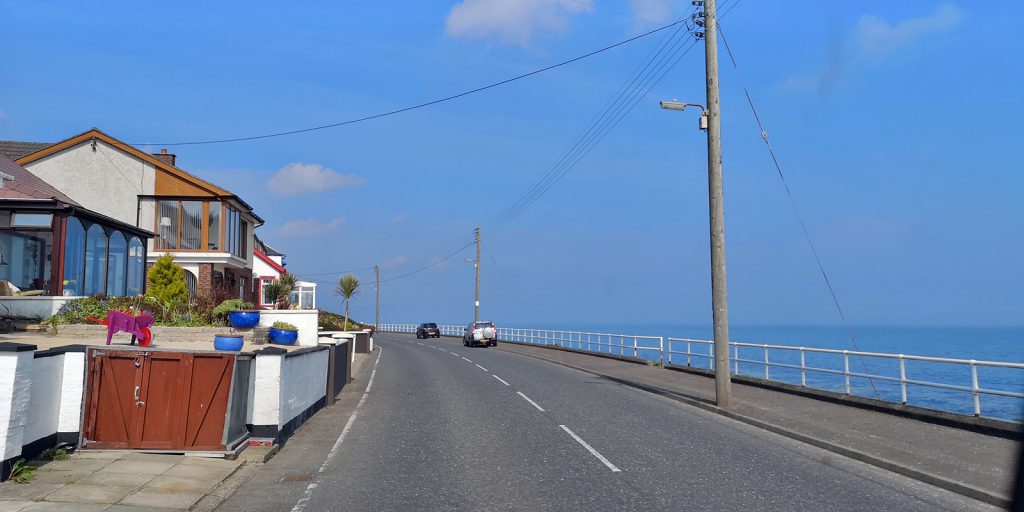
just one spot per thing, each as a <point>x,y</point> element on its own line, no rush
<point>52,246</point>
<point>268,265</point>
<point>208,229</point>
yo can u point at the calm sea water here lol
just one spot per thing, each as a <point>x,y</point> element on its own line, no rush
<point>1004,344</point>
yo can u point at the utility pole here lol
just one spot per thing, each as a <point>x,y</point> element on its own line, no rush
<point>719,304</point>
<point>376,270</point>
<point>476,304</point>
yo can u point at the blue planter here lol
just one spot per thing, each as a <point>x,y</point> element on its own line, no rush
<point>283,336</point>
<point>244,319</point>
<point>229,342</point>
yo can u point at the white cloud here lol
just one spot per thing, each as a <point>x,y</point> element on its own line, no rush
<point>309,227</point>
<point>513,21</point>
<point>397,261</point>
<point>873,39</point>
<point>878,38</point>
<point>655,11</point>
<point>299,178</point>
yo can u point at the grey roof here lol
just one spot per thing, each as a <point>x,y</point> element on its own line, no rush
<point>15,150</point>
<point>26,185</point>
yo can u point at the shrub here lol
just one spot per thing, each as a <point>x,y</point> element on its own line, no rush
<point>334,322</point>
<point>21,473</point>
<point>54,454</point>
<point>167,281</point>
<point>230,305</point>
<point>284,325</point>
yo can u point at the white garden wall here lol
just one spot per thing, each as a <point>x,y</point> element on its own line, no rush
<point>305,320</point>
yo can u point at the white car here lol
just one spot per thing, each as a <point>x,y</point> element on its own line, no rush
<point>480,333</point>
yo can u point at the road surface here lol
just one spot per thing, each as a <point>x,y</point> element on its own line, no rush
<point>444,427</point>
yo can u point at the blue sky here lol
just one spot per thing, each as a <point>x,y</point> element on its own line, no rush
<point>895,122</point>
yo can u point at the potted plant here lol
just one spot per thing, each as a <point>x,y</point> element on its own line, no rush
<point>283,333</point>
<point>228,342</point>
<point>240,313</point>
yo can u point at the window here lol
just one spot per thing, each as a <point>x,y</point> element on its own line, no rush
<point>167,225</point>
<point>136,267</point>
<point>200,226</point>
<point>25,258</point>
<point>190,282</point>
<point>213,227</point>
<point>265,298</point>
<point>32,220</point>
<point>95,260</point>
<point>74,257</point>
<point>117,264</point>
<point>191,226</point>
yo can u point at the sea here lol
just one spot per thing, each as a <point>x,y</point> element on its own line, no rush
<point>1002,344</point>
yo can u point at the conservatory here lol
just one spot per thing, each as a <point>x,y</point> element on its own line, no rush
<point>52,247</point>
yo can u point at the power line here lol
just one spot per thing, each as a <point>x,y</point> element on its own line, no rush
<point>602,124</point>
<point>796,210</point>
<point>509,283</point>
<point>431,264</point>
<point>420,105</point>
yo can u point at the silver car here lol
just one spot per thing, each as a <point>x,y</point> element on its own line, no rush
<point>480,333</point>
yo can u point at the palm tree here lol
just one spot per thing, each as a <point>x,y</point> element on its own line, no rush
<point>348,286</point>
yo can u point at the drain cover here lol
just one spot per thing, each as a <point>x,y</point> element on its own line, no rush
<point>297,478</point>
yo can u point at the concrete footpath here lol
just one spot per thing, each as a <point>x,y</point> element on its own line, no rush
<point>976,465</point>
<point>118,481</point>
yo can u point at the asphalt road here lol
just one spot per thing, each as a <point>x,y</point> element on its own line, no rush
<point>444,427</point>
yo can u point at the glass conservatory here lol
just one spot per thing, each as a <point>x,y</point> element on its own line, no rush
<point>59,249</point>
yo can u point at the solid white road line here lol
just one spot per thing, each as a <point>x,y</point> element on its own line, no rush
<point>301,504</point>
<point>484,369</point>
<point>590,449</point>
<point>539,408</point>
<point>500,379</point>
<point>467,360</point>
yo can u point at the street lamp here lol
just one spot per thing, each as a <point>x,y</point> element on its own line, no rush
<point>681,106</point>
<point>719,302</point>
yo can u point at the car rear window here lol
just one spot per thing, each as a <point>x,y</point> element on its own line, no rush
<point>485,324</point>
<point>429,325</point>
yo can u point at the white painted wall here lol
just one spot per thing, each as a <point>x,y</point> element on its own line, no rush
<point>44,402</point>
<point>33,307</point>
<point>72,393</point>
<point>266,398</point>
<point>305,320</point>
<point>260,268</point>
<point>15,391</point>
<point>303,382</point>
<point>105,180</point>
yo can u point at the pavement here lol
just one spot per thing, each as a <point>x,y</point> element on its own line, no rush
<point>432,425</point>
<point>117,481</point>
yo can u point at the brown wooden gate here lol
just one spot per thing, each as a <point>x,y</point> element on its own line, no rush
<point>157,400</point>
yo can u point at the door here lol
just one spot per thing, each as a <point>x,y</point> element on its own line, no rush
<point>157,400</point>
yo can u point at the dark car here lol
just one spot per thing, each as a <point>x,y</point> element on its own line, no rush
<point>428,331</point>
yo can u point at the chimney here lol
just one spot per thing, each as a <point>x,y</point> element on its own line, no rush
<point>165,157</point>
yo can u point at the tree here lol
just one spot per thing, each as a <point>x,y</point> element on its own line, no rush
<point>167,281</point>
<point>280,289</point>
<point>348,286</point>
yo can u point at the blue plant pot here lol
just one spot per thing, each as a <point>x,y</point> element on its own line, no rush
<point>283,336</point>
<point>244,319</point>
<point>228,342</point>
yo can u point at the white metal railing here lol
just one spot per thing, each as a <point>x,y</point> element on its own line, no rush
<point>669,352</point>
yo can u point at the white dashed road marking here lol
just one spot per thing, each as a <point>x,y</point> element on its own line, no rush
<point>590,449</point>
<point>539,408</point>
<point>467,360</point>
<point>482,368</point>
<point>500,380</point>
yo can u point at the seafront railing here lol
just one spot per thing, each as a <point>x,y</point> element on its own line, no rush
<point>886,376</point>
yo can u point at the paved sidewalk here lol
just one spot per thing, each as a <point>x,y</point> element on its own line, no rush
<point>117,481</point>
<point>977,465</point>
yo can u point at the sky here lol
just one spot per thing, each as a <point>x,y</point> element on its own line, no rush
<point>895,124</point>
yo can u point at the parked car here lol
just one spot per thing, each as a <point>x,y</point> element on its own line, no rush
<point>480,333</point>
<point>428,330</point>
